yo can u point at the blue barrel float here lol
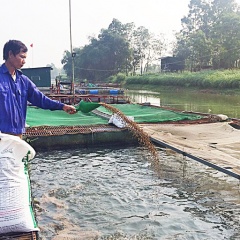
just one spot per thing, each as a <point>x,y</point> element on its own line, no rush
<point>114,91</point>
<point>95,91</point>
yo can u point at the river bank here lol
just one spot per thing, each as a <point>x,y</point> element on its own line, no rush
<point>216,80</point>
<point>159,88</point>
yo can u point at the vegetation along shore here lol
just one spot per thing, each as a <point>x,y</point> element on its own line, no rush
<point>226,81</point>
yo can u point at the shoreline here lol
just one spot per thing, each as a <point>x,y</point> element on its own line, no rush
<point>159,88</point>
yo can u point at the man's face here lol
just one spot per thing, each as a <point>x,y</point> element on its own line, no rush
<point>19,60</point>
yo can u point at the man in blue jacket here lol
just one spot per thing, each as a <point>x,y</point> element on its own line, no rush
<point>17,89</point>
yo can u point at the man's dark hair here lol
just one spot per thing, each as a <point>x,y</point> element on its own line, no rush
<point>15,46</point>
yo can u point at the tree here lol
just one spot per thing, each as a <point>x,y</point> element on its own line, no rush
<point>193,44</point>
<point>55,71</point>
<point>198,18</point>
<point>156,49</point>
<point>225,34</point>
<point>141,45</point>
<point>67,62</point>
<point>104,56</point>
<point>119,48</point>
<point>210,34</point>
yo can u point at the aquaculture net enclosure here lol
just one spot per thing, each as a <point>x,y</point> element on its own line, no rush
<point>151,114</point>
<point>141,114</point>
<point>41,117</point>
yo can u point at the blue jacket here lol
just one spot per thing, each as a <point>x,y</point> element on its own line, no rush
<point>14,96</point>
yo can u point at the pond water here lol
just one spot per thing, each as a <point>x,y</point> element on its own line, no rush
<point>187,100</point>
<point>114,193</point>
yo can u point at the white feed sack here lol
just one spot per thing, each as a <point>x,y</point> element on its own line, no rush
<point>16,213</point>
<point>118,121</point>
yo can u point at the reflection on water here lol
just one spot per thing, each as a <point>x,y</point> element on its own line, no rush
<point>115,194</point>
<point>196,101</point>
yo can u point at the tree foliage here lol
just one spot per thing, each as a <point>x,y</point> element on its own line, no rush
<point>121,48</point>
<point>210,35</point>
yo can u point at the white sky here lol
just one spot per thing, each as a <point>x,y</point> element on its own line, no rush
<point>45,23</point>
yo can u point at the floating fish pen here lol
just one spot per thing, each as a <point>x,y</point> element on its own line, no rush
<point>85,89</point>
<point>168,128</point>
<point>73,99</point>
<point>100,90</point>
<point>56,129</point>
<point>60,137</point>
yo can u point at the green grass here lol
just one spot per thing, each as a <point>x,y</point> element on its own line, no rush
<point>226,80</point>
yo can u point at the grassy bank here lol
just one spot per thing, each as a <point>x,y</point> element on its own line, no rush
<point>160,88</point>
<point>224,81</point>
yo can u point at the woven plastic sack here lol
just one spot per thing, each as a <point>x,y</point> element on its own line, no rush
<point>16,213</point>
<point>118,121</point>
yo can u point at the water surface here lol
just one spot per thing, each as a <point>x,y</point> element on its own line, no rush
<point>187,100</point>
<point>114,193</point>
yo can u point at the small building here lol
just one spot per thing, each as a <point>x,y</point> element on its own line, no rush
<point>41,76</point>
<point>171,64</point>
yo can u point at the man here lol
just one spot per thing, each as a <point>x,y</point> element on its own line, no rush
<point>17,89</point>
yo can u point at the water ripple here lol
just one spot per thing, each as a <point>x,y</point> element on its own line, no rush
<point>114,194</point>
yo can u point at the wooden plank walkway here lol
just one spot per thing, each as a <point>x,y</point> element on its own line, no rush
<point>214,144</point>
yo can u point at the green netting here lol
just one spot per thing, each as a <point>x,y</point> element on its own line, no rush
<point>150,114</point>
<point>41,117</point>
